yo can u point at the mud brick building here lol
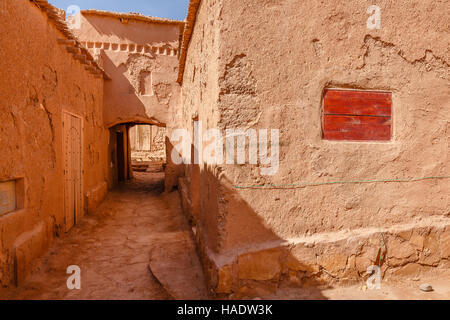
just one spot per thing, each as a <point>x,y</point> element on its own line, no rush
<point>68,100</point>
<point>363,116</point>
<point>363,119</point>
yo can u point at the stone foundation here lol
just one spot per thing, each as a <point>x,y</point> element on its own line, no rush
<point>95,197</point>
<point>333,208</point>
<point>326,259</point>
<point>27,248</point>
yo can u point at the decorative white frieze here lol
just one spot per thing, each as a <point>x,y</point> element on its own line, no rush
<point>165,50</point>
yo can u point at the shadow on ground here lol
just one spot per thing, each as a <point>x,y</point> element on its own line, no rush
<point>113,247</point>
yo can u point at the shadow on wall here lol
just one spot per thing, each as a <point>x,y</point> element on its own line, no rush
<point>172,171</point>
<point>243,257</point>
<point>253,269</point>
<point>129,108</point>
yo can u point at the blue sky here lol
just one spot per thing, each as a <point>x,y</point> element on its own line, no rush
<point>173,9</point>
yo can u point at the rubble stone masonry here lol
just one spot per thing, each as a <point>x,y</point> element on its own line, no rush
<point>334,207</point>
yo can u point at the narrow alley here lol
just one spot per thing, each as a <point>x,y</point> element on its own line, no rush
<point>112,248</point>
<point>224,150</point>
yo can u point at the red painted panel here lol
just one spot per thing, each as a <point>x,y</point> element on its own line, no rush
<point>368,103</point>
<point>356,128</point>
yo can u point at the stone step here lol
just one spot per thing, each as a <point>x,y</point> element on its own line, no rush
<point>175,264</point>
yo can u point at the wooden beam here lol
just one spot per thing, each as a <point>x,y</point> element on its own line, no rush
<point>80,57</point>
<point>92,69</point>
<point>73,50</point>
<point>67,42</point>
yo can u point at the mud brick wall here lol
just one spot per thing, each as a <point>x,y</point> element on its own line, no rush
<point>39,80</point>
<point>270,68</point>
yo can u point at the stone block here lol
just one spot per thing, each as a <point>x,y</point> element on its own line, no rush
<point>28,246</point>
<point>362,263</point>
<point>262,265</point>
<point>95,197</point>
<point>301,258</point>
<point>369,255</point>
<point>225,279</point>
<point>333,260</point>
<point>417,241</point>
<point>444,244</point>
<point>431,253</point>
<point>409,270</point>
<point>400,252</point>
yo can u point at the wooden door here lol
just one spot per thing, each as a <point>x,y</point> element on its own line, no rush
<point>73,169</point>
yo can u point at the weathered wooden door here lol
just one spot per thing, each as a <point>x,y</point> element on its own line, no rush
<point>73,169</point>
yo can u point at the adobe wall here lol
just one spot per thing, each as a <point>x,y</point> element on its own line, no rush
<point>199,101</point>
<point>273,65</point>
<point>142,60</point>
<point>39,79</point>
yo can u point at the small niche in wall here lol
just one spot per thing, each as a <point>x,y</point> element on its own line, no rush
<point>145,83</point>
<point>11,196</point>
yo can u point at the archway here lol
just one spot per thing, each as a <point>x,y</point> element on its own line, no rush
<point>136,147</point>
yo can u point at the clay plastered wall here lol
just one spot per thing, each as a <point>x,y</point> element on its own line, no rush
<point>39,80</point>
<point>141,59</point>
<point>199,101</point>
<point>274,63</point>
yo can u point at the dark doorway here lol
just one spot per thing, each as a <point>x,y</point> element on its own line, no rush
<point>120,157</point>
<point>138,155</point>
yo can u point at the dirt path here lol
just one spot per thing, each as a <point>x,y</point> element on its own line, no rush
<point>112,247</point>
<point>136,227</point>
